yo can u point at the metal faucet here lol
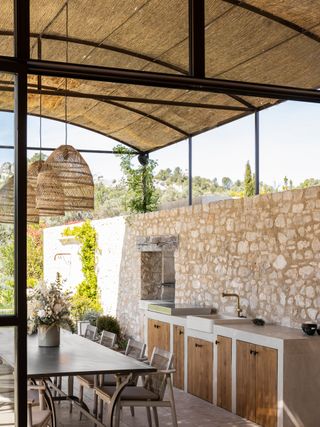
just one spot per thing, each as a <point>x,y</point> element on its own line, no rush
<point>226,294</point>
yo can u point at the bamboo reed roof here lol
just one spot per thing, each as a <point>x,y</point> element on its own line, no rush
<point>261,41</point>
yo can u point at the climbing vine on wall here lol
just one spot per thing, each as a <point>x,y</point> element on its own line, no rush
<point>87,295</point>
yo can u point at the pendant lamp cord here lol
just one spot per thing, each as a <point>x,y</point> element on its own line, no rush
<point>40,124</point>
<point>66,82</point>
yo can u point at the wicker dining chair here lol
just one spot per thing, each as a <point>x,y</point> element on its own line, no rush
<point>107,339</point>
<point>39,414</point>
<point>91,332</point>
<point>150,394</point>
<point>7,387</point>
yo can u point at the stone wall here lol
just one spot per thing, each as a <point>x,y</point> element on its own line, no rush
<point>266,248</point>
<point>151,269</point>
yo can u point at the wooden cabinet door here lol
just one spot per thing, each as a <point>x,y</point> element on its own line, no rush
<point>224,369</point>
<point>200,368</point>
<point>178,351</point>
<point>158,335</point>
<point>246,384</point>
<point>266,386</point>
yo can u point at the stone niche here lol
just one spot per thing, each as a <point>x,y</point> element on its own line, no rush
<point>157,267</point>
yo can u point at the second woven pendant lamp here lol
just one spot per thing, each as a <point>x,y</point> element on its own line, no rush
<point>75,178</point>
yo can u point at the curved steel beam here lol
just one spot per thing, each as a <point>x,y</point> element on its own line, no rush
<point>149,116</point>
<point>172,81</point>
<point>111,102</point>
<point>275,18</point>
<point>51,90</point>
<point>103,46</point>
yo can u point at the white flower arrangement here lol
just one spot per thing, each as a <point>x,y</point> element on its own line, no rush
<point>49,305</point>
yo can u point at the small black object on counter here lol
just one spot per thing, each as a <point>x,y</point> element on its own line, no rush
<point>309,328</point>
<point>258,322</point>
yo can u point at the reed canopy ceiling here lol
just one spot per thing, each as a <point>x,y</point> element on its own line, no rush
<point>259,41</point>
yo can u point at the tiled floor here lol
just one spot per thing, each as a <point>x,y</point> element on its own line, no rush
<point>191,412</point>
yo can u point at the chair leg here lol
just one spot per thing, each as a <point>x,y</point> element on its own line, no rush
<point>173,408</point>
<point>100,416</point>
<point>80,399</point>
<point>155,416</point>
<point>149,416</point>
<point>117,423</point>
<point>132,410</point>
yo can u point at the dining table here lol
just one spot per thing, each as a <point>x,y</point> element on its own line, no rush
<point>76,355</point>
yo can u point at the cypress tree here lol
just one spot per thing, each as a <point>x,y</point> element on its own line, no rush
<point>248,181</point>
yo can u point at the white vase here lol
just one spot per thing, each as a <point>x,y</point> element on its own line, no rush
<point>48,336</point>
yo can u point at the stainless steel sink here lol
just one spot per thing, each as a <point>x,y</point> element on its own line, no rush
<point>205,323</point>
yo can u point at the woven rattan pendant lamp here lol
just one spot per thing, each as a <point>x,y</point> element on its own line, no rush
<point>75,177</point>
<point>7,201</point>
<point>49,192</point>
<point>70,167</point>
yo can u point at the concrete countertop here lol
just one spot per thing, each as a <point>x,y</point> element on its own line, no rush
<point>271,331</point>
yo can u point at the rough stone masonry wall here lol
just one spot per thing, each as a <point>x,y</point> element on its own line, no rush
<point>266,248</point>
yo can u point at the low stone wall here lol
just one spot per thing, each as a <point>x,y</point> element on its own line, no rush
<point>266,248</point>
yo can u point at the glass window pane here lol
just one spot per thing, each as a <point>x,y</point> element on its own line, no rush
<point>6,28</point>
<point>7,202</point>
<point>7,380</point>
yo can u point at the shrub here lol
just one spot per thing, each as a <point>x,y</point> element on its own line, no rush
<point>108,323</point>
<point>82,305</point>
<point>91,316</point>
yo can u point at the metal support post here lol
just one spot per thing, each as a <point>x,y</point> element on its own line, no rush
<point>257,154</point>
<point>190,169</point>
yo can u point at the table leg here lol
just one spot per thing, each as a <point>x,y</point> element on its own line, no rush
<point>114,405</point>
<point>70,390</point>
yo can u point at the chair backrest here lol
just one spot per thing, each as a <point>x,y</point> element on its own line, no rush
<point>108,339</point>
<point>162,360</point>
<point>135,349</point>
<point>91,332</point>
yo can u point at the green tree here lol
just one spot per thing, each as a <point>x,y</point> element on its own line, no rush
<point>248,181</point>
<point>87,295</point>
<point>285,185</point>
<point>34,255</point>
<point>309,183</point>
<point>142,195</point>
<point>226,183</point>
<point>36,157</point>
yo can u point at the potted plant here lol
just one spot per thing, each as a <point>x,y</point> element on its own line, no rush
<point>49,309</point>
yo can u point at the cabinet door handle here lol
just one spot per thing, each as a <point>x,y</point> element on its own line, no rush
<point>252,352</point>
<point>217,342</point>
<point>180,332</point>
<point>198,345</point>
<point>156,326</point>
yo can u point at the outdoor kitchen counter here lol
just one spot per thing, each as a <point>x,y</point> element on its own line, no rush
<point>296,368</point>
<point>266,332</point>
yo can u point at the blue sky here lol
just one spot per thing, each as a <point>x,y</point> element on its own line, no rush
<point>289,145</point>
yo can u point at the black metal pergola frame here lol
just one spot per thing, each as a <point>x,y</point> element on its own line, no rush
<point>20,65</point>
